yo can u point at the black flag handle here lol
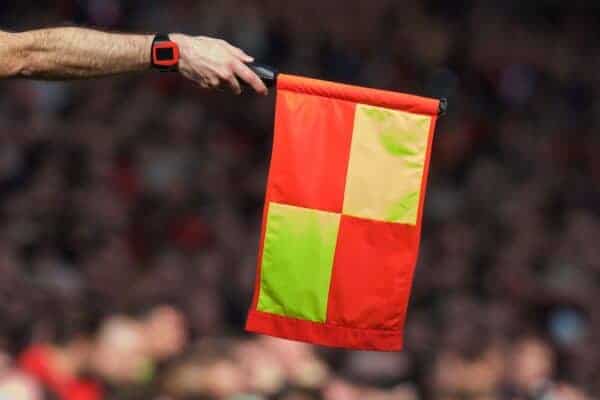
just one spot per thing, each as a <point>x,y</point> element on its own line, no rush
<point>266,73</point>
<point>443,107</point>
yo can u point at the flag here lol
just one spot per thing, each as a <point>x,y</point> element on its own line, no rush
<point>342,215</point>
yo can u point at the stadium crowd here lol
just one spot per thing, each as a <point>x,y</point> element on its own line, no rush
<point>131,207</point>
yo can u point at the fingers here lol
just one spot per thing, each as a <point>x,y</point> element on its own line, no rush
<point>248,76</point>
<point>216,64</point>
<point>234,84</point>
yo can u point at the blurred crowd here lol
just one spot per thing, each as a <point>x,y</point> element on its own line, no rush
<point>130,207</point>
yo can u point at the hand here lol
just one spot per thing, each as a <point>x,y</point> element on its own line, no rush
<point>214,63</point>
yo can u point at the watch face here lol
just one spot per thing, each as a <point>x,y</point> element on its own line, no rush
<point>164,54</point>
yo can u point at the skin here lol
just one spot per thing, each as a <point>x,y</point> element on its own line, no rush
<point>79,53</point>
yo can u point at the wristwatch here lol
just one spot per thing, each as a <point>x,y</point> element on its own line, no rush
<point>165,53</point>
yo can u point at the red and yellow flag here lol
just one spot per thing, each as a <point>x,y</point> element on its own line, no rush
<point>342,216</point>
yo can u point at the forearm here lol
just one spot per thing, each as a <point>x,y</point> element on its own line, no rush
<point>71,53</point>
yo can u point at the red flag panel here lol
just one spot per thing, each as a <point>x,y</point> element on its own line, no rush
<point>309,167</point>
<point>372,274</point>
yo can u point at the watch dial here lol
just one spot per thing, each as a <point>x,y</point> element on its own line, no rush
<point>164,53</point>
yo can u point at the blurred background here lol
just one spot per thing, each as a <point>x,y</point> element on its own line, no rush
<point>130,207</point>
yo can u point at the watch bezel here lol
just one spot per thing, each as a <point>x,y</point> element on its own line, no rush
<point>170,63</point>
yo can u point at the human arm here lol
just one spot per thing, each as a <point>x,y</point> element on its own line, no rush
<point>80,53</point>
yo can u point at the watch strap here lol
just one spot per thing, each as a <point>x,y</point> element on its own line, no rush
<point>161,37</point>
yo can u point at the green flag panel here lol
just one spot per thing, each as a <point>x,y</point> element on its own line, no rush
<point>297,261</point>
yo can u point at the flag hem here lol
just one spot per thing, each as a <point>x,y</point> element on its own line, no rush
<point>324,334</point>
<point>358,94</point>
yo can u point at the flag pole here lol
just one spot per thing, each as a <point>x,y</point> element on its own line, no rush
<point>269,74</point>
<point>443,107</point>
